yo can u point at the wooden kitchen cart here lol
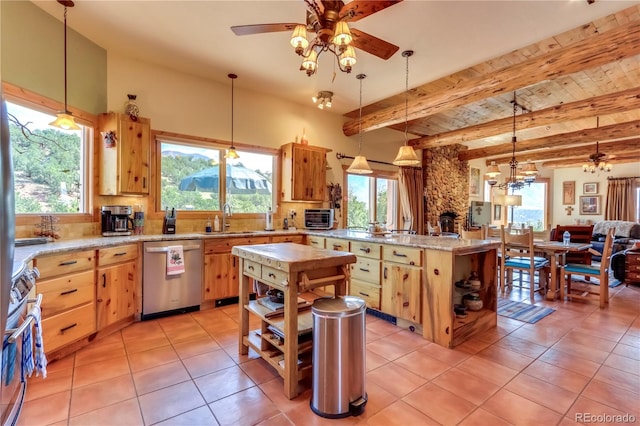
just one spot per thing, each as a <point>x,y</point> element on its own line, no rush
<point>292,268</point>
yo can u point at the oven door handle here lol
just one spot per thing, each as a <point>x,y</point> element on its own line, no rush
<point>165,249</point>
<point>17,332</point>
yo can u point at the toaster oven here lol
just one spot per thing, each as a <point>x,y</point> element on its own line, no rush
<point>318,218</point>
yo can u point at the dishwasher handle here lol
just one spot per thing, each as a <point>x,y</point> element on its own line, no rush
<point>166,249</point>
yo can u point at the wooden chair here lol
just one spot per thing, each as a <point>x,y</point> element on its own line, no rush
<point>475,234</point>
<point>577,291</point>
<point>518,253</point>
<point>579,234</point>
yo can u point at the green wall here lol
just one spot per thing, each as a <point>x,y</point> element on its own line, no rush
<point>32,46</point>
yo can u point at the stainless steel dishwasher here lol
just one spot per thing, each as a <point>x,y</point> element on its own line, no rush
<point>164,294</point>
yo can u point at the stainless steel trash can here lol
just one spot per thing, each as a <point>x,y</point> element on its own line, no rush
<point>338,357</point>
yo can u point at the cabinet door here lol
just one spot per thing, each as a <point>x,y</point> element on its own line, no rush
<point>401,287</point>
<point>115,295</point>
<point>220,276</point>
<point>134,157</point>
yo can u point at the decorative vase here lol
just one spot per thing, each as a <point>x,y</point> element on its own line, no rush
<point>131,108</point>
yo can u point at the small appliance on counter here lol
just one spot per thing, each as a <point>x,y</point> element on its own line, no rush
<point>269,220</point>
<point>318,218</point>
<point>169,222</point>
<point>116,220</point>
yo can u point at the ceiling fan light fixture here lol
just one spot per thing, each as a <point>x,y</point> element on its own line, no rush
<point>597,161</point>
<point>342,36</point>
<point>310,62</point>
<point>323,99</point>
<point>347,59</point>
<point>299,39</point>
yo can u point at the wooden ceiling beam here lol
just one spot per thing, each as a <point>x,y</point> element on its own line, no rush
<point>577,162</point>
<point>614,131</point>
<point>603,48</point>
<point>617,148</point>
<point>600,105</point>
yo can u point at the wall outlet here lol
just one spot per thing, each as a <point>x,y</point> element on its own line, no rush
<point>292,212</point>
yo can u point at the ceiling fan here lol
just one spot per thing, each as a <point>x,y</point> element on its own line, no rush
<point>328,19</point>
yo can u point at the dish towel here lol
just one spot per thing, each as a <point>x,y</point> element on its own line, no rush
<point>27,352</point>
<point>175,260</point>
<point>40,358</point>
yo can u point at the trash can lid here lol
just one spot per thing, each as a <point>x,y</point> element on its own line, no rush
<point>339,306</point>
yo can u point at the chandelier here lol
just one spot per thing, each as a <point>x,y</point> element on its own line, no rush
<point>597,161</point>
<point>338,43</point>
<point>518,177</point>
<point>323,99</point>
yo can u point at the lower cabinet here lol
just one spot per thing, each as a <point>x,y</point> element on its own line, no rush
<point>116,284</point>
<point>401,291</point>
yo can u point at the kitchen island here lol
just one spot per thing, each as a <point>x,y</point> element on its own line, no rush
<point>293,269</point>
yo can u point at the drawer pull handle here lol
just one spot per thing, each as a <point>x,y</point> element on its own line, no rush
<point>104,280</point>
<point>122,253</point>
<point>68,292</point>
<point>365,249</point>
<point>69,327</point>
<point>405,305</point>
<point>272,275</point>
<point>314,242</point>
<point>363,294</point>
<point>364,270</point>
<point>412,263</point>
<point>69,262</point>
<point>250,267</point>
<point>395,253</point>
<point>337,246</point>
<point>404,277</point>
<point>385,273</point>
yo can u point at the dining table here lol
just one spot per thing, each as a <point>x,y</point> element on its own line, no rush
<point>556,252</point>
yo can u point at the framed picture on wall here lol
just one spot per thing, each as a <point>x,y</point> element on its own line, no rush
<point>590,204</point>
<point>569,192</point>
<point>590,188</point>
<point>474,181</point>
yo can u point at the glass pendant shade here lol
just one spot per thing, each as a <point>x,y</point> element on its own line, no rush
<point>406,157</point>
<point>493,170</point>
<point>529,169</point>
<point>360,166</point>
<point>342,36</point>
<point>232,154</point>
<point>65,121</point>
<point>513,200</point>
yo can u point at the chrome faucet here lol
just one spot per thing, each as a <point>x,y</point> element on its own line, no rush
<point>226,213</point>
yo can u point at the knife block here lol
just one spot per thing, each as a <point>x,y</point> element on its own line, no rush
<point>169,226</point>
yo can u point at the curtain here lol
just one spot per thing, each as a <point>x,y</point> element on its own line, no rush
<point>411,185</point>
<point>620,203</point>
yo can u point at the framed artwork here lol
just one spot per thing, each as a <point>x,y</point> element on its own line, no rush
<point>569,192</point>
<point>590,188</point>
<point>590,204</point>
<point>474,181</point>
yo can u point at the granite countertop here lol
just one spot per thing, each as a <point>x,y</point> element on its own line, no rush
<point>25,254</point>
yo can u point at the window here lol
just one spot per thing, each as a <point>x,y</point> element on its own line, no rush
<point>195,176</point>
<point>534,208</point>
<point>48,163</point>
<point>372,198</point>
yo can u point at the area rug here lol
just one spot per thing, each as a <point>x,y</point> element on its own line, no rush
<point>580,279</point>
<point>522,311</point>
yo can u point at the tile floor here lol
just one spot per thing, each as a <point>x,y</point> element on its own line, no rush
<point>185,370</point>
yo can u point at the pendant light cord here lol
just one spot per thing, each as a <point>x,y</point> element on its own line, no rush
<point>65,60</point>
<point>360,77</point>
<point>406,100</point>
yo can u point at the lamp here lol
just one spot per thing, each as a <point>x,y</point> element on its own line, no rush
<point>518,177</point>
<point>323,99</point>
<point>359,164</point>
<point>338,43</point>
<point>65,119</point>
<point>231,152</point>
<point>406,154</point>
<point>596,161</point>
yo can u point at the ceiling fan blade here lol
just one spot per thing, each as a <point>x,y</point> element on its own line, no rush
<point>359,9</point>
<point>262,28</point>
<point>370,44</point>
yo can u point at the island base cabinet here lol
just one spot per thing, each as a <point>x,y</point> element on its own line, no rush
<point>443,269</point>
<point>115,294</point>
<point>401,291</point>
<point>62,329</point>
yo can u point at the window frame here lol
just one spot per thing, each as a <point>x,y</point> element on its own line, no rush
<point>36,102</point>
<point>377,173</point>
<point>158,137</point>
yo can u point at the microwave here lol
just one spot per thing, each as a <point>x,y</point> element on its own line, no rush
<point>318,218</point>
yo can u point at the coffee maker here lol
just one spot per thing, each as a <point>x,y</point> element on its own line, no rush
<point>116,220</point>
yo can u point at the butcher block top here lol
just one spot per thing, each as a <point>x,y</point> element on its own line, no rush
<point>292,257</point>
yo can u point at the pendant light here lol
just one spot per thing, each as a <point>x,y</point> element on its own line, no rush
<point>360,165</point>
<point>65,119</point>
<point>231,152</point>
<point>406,154</point>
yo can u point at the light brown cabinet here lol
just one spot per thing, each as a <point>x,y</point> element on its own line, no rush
<point>402,282</point>
<point>116,284</point>
<point>304,172</point>
<point>123,167</point>
<point>365,273</point>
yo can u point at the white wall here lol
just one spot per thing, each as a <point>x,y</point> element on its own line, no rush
<point>186,104</point>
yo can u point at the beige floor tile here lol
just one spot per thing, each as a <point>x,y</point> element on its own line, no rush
<point>448,356</point>
<point>142,330</point>
<point>521,346</point>
<point>400,414</point>
<point>487,370</point>
<point>443,406</point>
<point>620,378</point>
<point>46,410</point>
<point>544,393</point>
<point>101,370</point>
<point>234,354</point>
<point>506,357</point>
<point>121,413</point>
<point>142,344</point>
<point>225,337</point>
<point>259,371</point>
<point>154,378</point>
<point>387,349</point>
<point>194,331</point>
<point>373,360</point>
<point>152,358</point>
<point>569,362</point>
<point>423,365</point>
<point>466,386</point>
<point>223,383</point>
<point>101,394</point>
<point>274,390</point>
<point>201,416</point>
<point>519,410</point>
<point>558,376</point>
<point>170,402</point>
<point>481,417</point>
<point>403,383</point>
<point>56,382</point>
<point>100,351</point>
<point>378,398</point>
<point>197,346</point>
<point>227,412</point>
<point>613,396</point>
<point>64,364</point>
<point>208,362</point>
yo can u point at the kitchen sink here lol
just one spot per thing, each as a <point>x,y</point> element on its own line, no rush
<point>20,242</point>
<point>229,232</point>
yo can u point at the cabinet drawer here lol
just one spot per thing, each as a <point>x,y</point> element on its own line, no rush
<point>109,256</point>
<point>364,249</point>
<point>299,239</point>
<point>366,270</point>
<point>65,328</point>
<point>369,293</point>
<point>632,267</point>
<point>224,245</point>
<point>252,268</point>
<point>336,244</point>
<point>274,276</point>
<point>405,255</point>
<point>314,241</point>
<point>62,293</point>
<point>59,264</point>
<point>632,276</point>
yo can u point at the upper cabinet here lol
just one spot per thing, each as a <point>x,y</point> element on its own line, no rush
<point>304,172</point>
<point>123,160</point>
